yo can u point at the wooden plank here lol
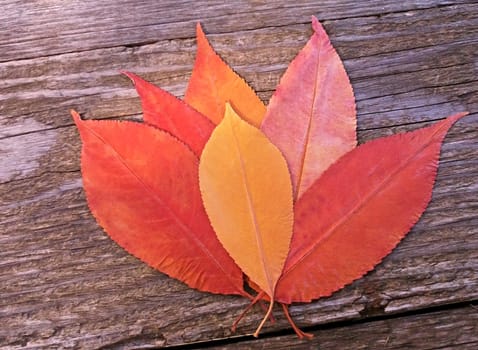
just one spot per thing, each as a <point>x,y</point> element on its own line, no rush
<point>434,78</point>
<point>51,28</point>
<point>450,329</point>
<point>63,283</point>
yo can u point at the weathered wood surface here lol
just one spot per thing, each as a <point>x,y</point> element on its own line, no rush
<point>456,328</point>
<point>64,284</point>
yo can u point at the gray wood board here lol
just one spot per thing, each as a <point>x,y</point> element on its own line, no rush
<point>65,284</point>
<point>448,329</point>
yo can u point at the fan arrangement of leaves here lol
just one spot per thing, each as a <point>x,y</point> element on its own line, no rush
<point>219,189</point>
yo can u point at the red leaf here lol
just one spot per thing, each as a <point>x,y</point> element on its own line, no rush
<point>142,186</point>
<point>169,113</point>
<point>358,211</point>
<point>311,116</point>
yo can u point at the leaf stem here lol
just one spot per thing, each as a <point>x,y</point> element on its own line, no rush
<point>269,311</point>
<point>297,330</point>
<point>251,304</point>
<point>264,308</point>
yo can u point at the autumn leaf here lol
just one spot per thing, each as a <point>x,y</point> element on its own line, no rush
<point>311,116</point>
<point>213,83</point>
<point>246,189</point>
<point>169,113</point>
<point>359,210</point>
<point>142,186</point>
<point>280,195</point>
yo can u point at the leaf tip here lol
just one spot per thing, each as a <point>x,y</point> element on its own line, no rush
<point>76,116</point>
<point>199,28</point>
<point>231,114</point>
<point>229,108</point>
<point>200,35</point>
<point>448,122</point>
<point>455,117</point>
<point>133,77</point>
<point>317,26</point>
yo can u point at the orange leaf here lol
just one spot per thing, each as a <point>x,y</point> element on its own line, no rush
<point>142,186</point>
<point>311,116</point>
<point>246,189</point>
<point>169,113</point>
<point>358,211</point>
<point>213,83</point>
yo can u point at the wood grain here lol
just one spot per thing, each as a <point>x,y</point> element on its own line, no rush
<point>450,329</point>
<point>65,284</point>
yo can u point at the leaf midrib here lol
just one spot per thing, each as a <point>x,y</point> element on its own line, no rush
<point>149,190</point>
<point>361,204</point>
<point>315,97</point>
<point>252,213</point>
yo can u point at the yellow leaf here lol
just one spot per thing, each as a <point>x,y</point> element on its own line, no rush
<point>247,193</point>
